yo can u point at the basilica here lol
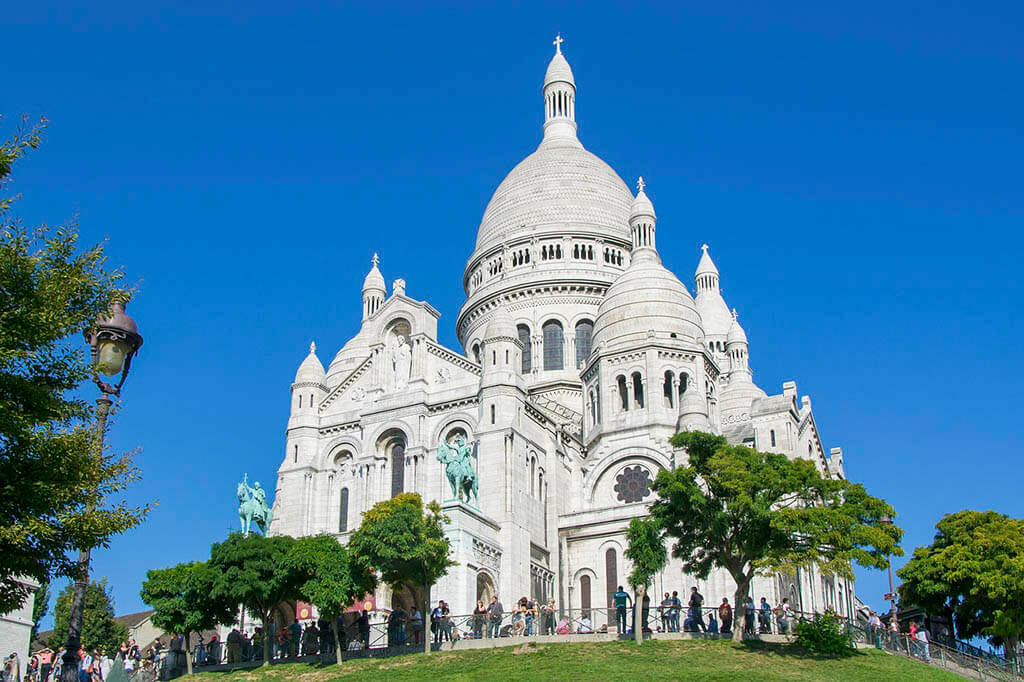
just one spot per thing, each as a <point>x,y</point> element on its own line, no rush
<point>581,356</point>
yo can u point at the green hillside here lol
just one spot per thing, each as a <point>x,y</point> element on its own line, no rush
<point>656,660</point>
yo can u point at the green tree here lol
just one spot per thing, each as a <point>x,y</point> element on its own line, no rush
<point>50,467</point>
<point>258,573</point>
<point>646,551</point>
<point>973,570</point>
<point>40,607</point>
<point>333,579</point>
<point>182,601</point>
<point>99,629</point>
<point>406,544</point>
<point>746,511</point>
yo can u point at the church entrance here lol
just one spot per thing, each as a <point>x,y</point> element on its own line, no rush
<point>485,588</point>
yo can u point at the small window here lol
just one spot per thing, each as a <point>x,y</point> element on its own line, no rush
<point>638,391</point>
<point>524,338</point>
<point>554,343</point>
<point>343,511</point>
<point>300,401</point>
<point>584,341</point>
<point>771,435</point>
<point>296,453</point>
<point>492,414</point>
<point>669,389</point>
<point>494,357</point>
<point>623,393</point>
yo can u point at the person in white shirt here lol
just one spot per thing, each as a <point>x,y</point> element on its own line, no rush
<point>922,642</point>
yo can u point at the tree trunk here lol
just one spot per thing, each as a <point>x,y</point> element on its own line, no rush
<point>739,606</point>
<point>638,630</point>
<point>1010,646</point>
<point>426,619</point>
<point>337,639</point>
<point>266,638</point>
<point>188,653</point>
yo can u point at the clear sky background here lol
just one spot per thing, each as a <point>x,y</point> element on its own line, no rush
<point>855,169</point>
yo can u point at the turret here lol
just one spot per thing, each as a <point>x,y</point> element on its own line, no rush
<point>559,97</point>
<point>308,390</point>
<point>642,221</point>
<point>501,383</point>
<point>738,350</point>
<point>374,290</point>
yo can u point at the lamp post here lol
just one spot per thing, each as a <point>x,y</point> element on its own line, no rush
<point>887,520</point>
<point>113,341</point>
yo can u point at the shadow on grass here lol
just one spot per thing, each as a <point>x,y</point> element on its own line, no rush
<point>791,650</point>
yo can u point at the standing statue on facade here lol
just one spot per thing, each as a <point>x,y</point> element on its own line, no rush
<point>402,363</point>
<point>457,459</point>
<point>253,507</point>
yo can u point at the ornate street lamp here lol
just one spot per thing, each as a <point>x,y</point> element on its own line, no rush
<point>887,520</point>
<point>113,341</point>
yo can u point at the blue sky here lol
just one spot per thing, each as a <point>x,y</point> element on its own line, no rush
<point>855,168</point>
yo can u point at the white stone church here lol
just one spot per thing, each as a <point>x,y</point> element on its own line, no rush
<point>581,356</point>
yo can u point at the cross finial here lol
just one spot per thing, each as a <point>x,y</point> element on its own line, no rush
<point>375,259</point>
<point>735,315</point>
<point>558,43</point>
<point>312,346</point>
<point>704,248</point>
<point>640,184</point>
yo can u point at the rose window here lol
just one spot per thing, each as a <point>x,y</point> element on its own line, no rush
<point>633,484</point>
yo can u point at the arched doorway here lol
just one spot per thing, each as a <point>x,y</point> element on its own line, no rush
<point>485,588</point>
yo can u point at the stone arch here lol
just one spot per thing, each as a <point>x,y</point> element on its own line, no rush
<point>594,479</point>
<point>385,429</point>
<point>395,320</point>
<point>336,447</point>
<point>392,444</point>
<point>486,586</point>
<point>461,420</point>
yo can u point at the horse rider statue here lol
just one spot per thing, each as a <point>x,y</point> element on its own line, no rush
<point>253,507</point>
<point>457,459</point>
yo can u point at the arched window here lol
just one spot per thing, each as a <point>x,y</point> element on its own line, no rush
<point>343,511</point>
<point>623,393</point>
<point>300,401</point>
<point>810,451</point>
<point>771,435</point>
<point>476,353</point>
<point>524,338</point>
<point>296,453</point>
<point>584,338</point>
<point>492,413</point>
<point>684,383</point>
<point>593,408</point>
<point>668,389</point>
<point>554,343</point>
<point>397,468</point>
<point>611,579</point>
<point>585,596</point>
<point>533,474</point>
<point>638,391</point>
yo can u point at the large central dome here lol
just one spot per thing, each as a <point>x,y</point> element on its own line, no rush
<point>560,185</point>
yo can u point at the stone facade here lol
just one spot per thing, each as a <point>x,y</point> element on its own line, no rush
<point>16,629</point>
<point>581,356</point>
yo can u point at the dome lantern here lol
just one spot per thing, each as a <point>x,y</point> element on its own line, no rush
<point>559,97</point>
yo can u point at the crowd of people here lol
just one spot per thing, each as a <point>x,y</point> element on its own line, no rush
<point>93,665</point>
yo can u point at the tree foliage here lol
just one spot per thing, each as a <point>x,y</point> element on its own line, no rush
<point>826,634</point>
<point>646,551</point>
<point>974,570</point>
<point>181,597</point>
<point>257,572</point>
<point>405,543</point>
<point>747,511</point>
<point>99,629</point>
<point>50,467</point>
<point>333,579</point>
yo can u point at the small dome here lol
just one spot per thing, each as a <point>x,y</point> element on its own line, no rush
<point>706,266</point>
<point>559,71</point>
<point>642,205</point>
<point>646,298</point>
<point>374,280</point>
<point>736,333</point>
<point>310,371</point>
<point>500,325</point>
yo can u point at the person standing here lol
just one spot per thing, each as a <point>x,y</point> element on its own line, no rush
<point>45,664</point>
<point>645,613</point>
<point>666,613</point>
<point>677,607</point>
<point>748,616</point>
<point>765,617</point>
<point>697,606</point>
<point>547,621</point>
<point>364,628</point>
<point>622,602</point>
<point>435,622</point>
<point>234,646</point>
<point>479,618</point>
<point>531,615</point>
<point>495,612</point>
<point>725,617</point>
<point>416,619</point>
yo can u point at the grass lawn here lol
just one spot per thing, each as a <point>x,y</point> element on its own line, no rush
<point>655,660</point>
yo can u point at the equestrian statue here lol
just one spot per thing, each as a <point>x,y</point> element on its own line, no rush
<point>457,459</point>
<point>253,507</point>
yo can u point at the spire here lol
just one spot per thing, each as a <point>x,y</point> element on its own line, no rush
<point>310,371</point>
<point>559,97</point>
<point>642,221</point>
<point>312,347</point>
<point>707,273</point>
<point>374,289</point>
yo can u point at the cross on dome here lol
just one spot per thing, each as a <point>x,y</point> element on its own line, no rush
<point>312,346</point>
<point>704,247</point>
<point>375,260</point>
<point>557,42</point>
<point>640,184</point>
<point>735,315</point>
